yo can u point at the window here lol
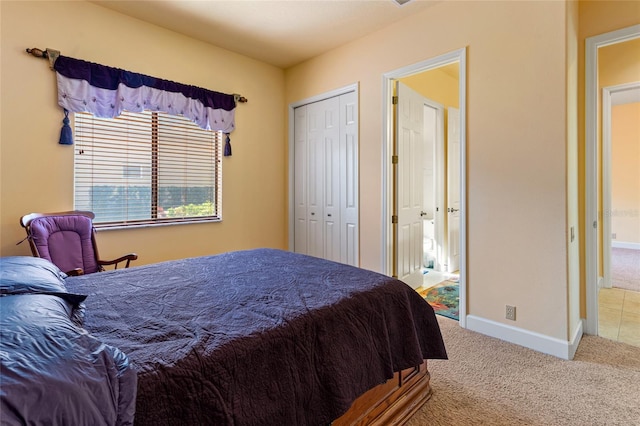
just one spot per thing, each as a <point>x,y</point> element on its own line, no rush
<point>147,168</point>
<point>131,171</point>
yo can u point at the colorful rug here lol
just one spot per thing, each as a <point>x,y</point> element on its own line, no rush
<point>443,298</point>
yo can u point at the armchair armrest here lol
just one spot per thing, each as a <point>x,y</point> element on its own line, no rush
<point>128,257</point>
<point>75,272</point>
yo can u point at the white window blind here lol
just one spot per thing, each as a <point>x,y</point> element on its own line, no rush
<point>146,168</point>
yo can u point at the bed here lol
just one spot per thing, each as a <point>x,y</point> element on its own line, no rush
<point>262,337</point>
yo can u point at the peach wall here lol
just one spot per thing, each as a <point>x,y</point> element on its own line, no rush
<point>37,173</point>
<point>516,144</point>
<point>625,172</point>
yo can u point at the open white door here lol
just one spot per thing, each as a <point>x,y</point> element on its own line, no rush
<point>410,133</point>
<point>453,189</point>
<point>434,185</point>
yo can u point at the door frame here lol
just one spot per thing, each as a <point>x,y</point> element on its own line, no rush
<point>388,78</point>
<point>451,266</point>
<point>592,158</point>
<point>292,106</point>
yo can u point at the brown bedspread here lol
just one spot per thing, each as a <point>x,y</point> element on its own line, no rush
<point>257,337</point>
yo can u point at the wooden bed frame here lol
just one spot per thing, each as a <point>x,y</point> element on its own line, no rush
<point>391,403</point>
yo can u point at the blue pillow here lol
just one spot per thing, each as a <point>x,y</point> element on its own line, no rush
<point>33,275</point>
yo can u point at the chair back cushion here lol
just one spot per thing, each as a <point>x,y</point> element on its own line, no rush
<point>66,241</point>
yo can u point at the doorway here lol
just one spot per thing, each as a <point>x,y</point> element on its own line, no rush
<point>398,252</point>
<point>597,237</point>
<point>620,181</point>
<point>434,180</point>
<point>619,297</point>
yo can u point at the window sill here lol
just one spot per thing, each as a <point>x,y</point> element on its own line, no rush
<point>153,224</point>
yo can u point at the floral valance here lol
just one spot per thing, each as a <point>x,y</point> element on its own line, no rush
<point>106,91</point>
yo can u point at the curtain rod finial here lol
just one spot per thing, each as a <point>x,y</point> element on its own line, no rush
<point>239,98</point>
<point>38,53</point>
<point>50,54</point>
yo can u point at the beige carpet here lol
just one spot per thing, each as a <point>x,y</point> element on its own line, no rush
<point>625,269</point>
<point>487,381</point>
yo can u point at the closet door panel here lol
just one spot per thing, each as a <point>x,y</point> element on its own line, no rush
<point>315,177</point>
<point>332,166</point>
<point>349,178</point>
<point>300,180</point>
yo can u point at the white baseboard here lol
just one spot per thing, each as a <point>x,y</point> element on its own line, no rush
<point>539,342</point>
<point>622,244</point>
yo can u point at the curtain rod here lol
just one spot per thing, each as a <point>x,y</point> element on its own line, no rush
<point>52,55</point>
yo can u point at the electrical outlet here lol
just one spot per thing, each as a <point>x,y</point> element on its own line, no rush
<point>511,313</point>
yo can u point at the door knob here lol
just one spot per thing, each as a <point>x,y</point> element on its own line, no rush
<point>423,214</point>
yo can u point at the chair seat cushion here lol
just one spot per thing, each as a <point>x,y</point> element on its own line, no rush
<point>66,242</point>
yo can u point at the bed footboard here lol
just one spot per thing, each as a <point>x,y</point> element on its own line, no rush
<point>391,403</point>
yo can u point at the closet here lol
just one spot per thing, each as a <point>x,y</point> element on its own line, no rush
<point>325,178</point>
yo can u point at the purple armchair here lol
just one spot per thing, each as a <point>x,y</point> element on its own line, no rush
<point>68,240</point>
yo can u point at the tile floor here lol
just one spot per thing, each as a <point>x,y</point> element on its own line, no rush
<point>619,315</point>
<point>431,278</point>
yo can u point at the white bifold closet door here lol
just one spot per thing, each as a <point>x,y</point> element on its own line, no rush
<point>326,179</point>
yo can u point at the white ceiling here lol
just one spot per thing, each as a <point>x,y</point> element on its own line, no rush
<point>279,32</point>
